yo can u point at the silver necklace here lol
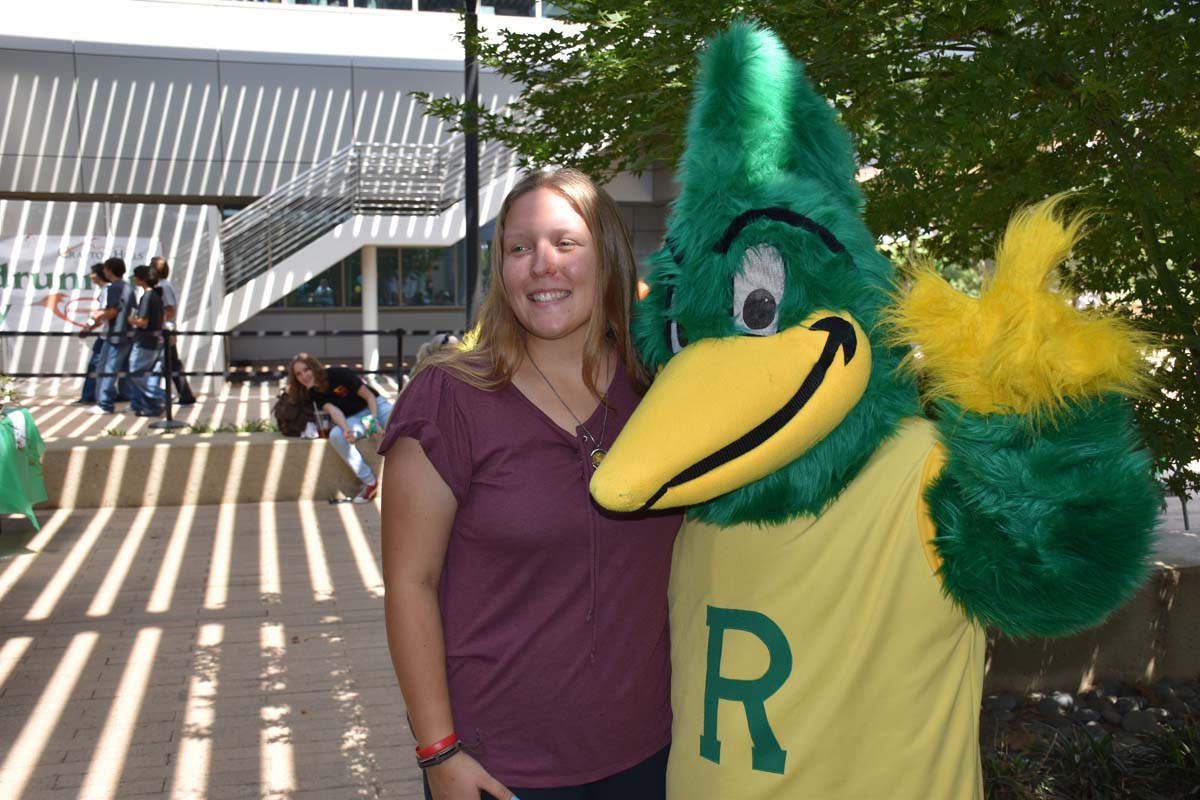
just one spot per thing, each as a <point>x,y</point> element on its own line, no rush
<point>598,452</point>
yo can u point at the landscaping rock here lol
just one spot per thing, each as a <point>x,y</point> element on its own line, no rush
<point>1005,701</point>
<point>1046,736</point>
<point>1098,702</point>
<point>1139,721</point>
<point>1064,700</point>
<point>1177,708</point>
<point>1048,708</point>
<point>1159,714</point>
<point>1127,704</point>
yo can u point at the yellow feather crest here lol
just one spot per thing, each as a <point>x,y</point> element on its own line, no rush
<point>1021,347</point>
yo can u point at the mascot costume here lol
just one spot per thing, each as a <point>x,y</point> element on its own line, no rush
<point>842,554</point>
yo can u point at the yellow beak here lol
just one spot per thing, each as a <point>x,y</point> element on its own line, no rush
<point>725,412</point>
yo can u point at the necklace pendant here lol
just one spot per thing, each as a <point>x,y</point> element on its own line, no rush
<point>598,456</point>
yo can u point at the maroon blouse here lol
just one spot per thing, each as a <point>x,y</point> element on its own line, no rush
<point>554,610</point>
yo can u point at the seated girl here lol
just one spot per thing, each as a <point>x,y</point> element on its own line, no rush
<point>350,404</point>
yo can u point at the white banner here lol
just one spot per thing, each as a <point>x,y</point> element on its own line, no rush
<point>44,284</point>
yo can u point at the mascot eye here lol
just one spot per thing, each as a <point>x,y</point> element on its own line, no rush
<point>758,291</point>
<point>676,338</point>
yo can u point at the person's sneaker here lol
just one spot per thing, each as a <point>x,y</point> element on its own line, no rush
<point>84,403</point>
<point>366,493</point>
<point>191,401</point>
<point>98,410</point>
<point>145,413</point>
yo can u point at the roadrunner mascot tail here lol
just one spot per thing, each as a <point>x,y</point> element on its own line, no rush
<point>842,554</point>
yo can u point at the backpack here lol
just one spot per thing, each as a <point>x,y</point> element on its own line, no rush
<point>291,417</point>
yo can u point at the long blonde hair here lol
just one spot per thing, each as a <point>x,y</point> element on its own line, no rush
<point>500,345</point>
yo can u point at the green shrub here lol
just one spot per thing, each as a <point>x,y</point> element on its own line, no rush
<point>256,426</point>
<point>1072,765</point>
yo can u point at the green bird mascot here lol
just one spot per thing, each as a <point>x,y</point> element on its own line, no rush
<point>842,554</point>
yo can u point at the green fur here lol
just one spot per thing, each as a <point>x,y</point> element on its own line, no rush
<point>1043,531</point>
<point>752,146</point>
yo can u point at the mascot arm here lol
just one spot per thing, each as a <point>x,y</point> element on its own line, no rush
<point>1045,509</point>
<point>1042,531</point>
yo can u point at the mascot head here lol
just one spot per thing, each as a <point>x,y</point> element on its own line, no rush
<point>774,382</point>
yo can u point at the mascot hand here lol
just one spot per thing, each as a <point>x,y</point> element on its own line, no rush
<point>1021,347</point>
<point>1042,530</point>
<point>1045,508</point>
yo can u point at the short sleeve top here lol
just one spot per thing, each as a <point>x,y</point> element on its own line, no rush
<point>150,308</point>
<point>343,385</point>
<point>120,297</point>
<point>168,293</point>
<point>554,611</point>
<point>168,299</point>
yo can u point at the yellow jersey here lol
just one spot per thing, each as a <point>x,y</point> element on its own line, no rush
<point>820,659</point>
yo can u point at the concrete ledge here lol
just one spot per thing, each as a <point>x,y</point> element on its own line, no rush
<point>195,469</point>
<point>1155,635</point>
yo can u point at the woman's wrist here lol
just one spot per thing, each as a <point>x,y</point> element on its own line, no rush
<point>433,754</point>
<point>433,748</point>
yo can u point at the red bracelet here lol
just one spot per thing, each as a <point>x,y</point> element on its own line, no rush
<point>437,747</point>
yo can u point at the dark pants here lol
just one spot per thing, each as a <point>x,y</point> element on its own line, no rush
<point>89,383</point>
<point>643,781</point>
<point>183,391</point>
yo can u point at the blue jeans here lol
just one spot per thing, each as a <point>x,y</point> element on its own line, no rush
<point>114,357</point>
<point>348,451</point>
<point>89,383</point>
<point>147,394</point>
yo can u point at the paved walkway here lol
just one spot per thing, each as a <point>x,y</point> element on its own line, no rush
<point>230,651</point>
<point>1179,546</point>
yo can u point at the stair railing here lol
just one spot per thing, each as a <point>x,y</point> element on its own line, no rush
<point>361,178</point>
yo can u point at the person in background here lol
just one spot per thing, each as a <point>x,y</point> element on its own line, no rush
<point>435,344</point>
<point>113,319</point>
<point>88,396</point>
<point>170,300</point>
<point>147,319</point>
<point>356,409</point>
<point>521,617</point>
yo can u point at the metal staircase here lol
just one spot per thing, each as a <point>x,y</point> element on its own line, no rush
<point>411,180</point>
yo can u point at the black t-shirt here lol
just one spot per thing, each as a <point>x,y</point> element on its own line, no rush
<point>342,392</point>
<point>150,308</point>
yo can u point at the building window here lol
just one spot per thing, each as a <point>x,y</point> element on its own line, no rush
<point>408,276</point>
<point>323,291</point>
<point>507,8</point>
<point>387,265</point>
<point>501,8</point>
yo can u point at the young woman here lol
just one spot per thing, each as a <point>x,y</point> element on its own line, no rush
<point>146,395</point>
<point>348,401</point>
<point>527,627</point>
